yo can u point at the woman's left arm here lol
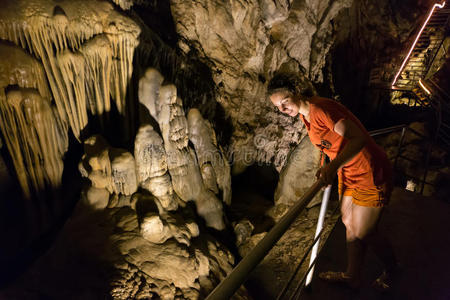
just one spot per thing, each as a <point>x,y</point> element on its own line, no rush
<point>356,140</point>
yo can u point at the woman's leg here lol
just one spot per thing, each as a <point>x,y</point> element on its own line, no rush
<point>361,224</point>
<point>356,249</point>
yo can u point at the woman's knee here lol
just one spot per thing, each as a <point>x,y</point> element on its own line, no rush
<point>347,220</point>
<point>364,233</point>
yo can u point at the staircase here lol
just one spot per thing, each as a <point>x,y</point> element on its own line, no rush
<point>424,49</point>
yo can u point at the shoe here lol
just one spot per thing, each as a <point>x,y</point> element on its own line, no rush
<point>339,277</point>
<point>383,283</point>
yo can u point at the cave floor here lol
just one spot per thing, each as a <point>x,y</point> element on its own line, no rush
<point>418,228</point>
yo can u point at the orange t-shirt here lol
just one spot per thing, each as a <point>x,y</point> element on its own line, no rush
<point>369,168</point>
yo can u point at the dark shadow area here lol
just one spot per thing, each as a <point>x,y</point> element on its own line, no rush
<point>253,192</point>
<point>156,14</point>
<point>32,225</point>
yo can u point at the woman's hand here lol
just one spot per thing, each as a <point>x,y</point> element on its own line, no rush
<point>327,173</point>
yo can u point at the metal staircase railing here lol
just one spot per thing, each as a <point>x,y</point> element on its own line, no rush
<point>424,48</point>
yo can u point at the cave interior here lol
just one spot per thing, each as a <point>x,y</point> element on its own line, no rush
<point>141,157</point>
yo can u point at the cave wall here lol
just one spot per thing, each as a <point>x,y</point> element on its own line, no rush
<point>244,43</point>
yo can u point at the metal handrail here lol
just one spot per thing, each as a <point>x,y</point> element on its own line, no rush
<point>236,278</point>
<point>386,130</point>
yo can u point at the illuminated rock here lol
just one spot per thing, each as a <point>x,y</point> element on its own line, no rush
<point>214,166</point>
<point>181,160</point>
<point>151,167</point>
<point>95,163</point>
<point>123,172</point>
<point>298,175</point>
<point>102,43</point>
<point>149,86</point>
<point>158,229</point>
<point>95,198</point>
<point>34,139</point>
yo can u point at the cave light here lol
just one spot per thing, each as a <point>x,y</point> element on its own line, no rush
<point>424,87</point>
<point>415,41</point>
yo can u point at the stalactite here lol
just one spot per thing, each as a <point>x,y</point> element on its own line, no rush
<point>57,39</point>
<point>33,139</point>
<point>35,136</point>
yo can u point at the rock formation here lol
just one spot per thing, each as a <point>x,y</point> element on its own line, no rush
<point>35,136</point>
<point>151,166</point>
<point>112,253</point>
<point>298,170</point>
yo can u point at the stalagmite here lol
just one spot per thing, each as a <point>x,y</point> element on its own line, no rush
<point>151,167</point>
<point>181,160</point>
<point>214,167</point>
<point>158,229</point>
<point>95,163</point>
<point>95,198</point>
<point>186,179</point>
<point>123,172</point>
<point>149,92</point>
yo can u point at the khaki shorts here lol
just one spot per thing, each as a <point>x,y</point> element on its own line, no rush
<point>376,196</point>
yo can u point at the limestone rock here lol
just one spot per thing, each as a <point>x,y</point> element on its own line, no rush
<point>95,198</point>
<point>34,139</point>
<point>151,167</point>
<point>123,172</point>
<point>108,257</point>
<point>158,229</point>
<point>149,86</point>
<point>181,160</point>
<point>243,231</point>
<point>95,163</point>
<point>101,42</point>
<point>298,175</point>
<point>248,246</point>
<point>214,166</point>
<point>246,43</point>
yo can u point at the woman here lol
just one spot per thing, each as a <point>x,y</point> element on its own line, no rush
<point>364,172</point>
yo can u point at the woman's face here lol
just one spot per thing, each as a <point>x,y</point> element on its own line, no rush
<point>286,103</point>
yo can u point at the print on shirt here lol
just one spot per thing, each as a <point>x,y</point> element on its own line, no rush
<point>324,144</point>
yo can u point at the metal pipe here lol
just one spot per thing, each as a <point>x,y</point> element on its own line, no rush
<point>386,130</point>
<point>237,277</point>
<point>323,210</point>
<point>399,147</point>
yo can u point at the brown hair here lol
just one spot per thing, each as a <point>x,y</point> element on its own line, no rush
<point>290,82</point>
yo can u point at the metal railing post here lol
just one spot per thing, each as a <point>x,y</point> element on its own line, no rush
<point>399,149</point>
<point>236,278</point>
<point>323,210</point>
